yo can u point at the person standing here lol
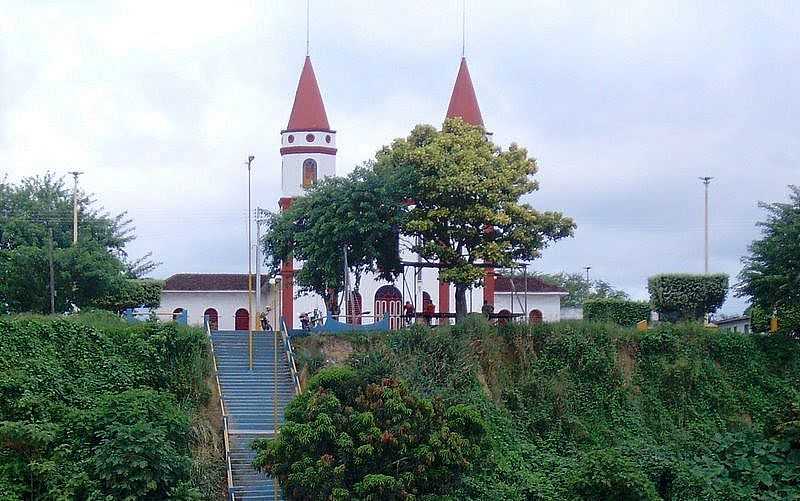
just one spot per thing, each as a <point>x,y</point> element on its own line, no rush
<point>408,312</point>
<point>428,312</point>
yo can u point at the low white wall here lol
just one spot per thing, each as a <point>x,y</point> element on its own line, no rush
<point>548,304</point>
<point>196,302</point>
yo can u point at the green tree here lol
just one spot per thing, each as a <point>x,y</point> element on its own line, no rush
<point>84,273</point>
<point>350,438</point>
<point>683,296</point>
<point>579,290</point>
<point>771,273</point>
<point>357,213</point>
<point>464,202</point>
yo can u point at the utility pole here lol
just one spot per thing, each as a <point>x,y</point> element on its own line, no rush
<point>706,181</point>
<point>249,265</point>
<point>75,175</point>
<point>258,264</point>
<point>52,278</point>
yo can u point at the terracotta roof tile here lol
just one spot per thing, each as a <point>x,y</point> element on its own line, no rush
<point>463,102</point>
<point>503,284</point>
<point>211,282</point>
<point>308,111</point>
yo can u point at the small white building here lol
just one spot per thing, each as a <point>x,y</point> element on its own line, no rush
<point>735,324</point>
<point>221,296</point>
<point>536,299</point>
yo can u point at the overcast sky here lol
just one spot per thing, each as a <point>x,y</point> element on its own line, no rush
<point>623,104</point>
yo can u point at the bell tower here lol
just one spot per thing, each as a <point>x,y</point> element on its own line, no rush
<point>308,153</point>
<point>308,144</point>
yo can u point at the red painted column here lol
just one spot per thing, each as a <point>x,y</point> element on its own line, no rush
<point>287,278</point>
<point>488,286</point>
<point>444,297</point>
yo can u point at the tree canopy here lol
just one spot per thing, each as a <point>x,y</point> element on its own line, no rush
<point>580,290</point>
<point>771,273</point>
<point>452,194</point>
<point>357,213</point>
<point>349,437</point>
<point>84,273</point>
<point>683,296</point>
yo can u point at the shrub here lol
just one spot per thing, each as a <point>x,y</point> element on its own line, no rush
<point>619,311</point>
<point>687,297</point>
<point>95,408</point>
<point>788,319</point>
<point>346,438</point>
<point>133,293</point>
<point>605,475</point>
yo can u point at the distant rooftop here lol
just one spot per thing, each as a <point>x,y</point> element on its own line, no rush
<point>212,282</point>
<point>534,284</point>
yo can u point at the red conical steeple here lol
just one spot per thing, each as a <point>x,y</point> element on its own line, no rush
<point>463,102</point>
<point>308,112</point>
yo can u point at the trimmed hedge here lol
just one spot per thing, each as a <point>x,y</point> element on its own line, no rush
<point>681,296</point>
<point>619,311</point>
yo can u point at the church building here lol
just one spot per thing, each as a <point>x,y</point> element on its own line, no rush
<point>308,152</point>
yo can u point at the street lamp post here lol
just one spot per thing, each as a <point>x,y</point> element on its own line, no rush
<point>706,181</point>
<point>249,266</point>
<point>75,175</point>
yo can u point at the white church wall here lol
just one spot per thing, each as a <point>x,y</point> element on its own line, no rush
<point>196,302</point>
<point>548,304</point>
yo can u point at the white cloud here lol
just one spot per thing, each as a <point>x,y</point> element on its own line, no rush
<point>623,103</point>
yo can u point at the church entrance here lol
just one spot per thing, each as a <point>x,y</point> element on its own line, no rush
<point>389,301</point>
<point>242,320</point>
<point>213,318</point>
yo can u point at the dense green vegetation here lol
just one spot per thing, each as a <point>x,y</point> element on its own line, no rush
<point>581,410</point>
<point>94,408</point>
<point>771,274</point>
<point>360,433</point>
<point>620,311</point>
<point>685,296</point>
<point>36,216</point>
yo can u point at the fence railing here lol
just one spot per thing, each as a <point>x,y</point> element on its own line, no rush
<point>225,433</point>
<point>132,316</point>
<point>287,344</point>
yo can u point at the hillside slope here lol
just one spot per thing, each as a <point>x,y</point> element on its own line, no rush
<point>94,408</point>
<point>594,411</point>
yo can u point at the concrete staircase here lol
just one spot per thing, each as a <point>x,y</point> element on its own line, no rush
<point>252,399</point>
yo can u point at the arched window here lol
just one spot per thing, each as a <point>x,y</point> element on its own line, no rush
<point>309,172</point>
<point>177,312</point>
<point>389,301</point>
<point>354,308</point>
<point>535,317</point>
<point>213,318</point>
<point>426,300</point>
<point>242,320</point>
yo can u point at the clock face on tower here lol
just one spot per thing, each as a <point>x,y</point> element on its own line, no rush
<point>309,172</point>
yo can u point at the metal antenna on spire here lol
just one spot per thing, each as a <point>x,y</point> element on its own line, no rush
<point>308,29</point>
<point>463,27</point>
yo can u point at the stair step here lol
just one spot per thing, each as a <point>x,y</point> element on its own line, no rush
<point>249,395</point>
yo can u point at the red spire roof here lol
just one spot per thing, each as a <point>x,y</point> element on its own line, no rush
<point>308,112</point>
<point>463,102</point>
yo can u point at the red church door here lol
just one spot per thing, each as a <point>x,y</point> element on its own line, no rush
<point>213,318</point>
<point>388,302</point>
<point>242,320</point>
